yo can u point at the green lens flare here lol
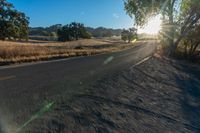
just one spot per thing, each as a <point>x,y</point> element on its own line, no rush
<point>45,109</point>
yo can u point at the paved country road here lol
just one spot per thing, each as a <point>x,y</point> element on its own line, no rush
<point>25,89</point>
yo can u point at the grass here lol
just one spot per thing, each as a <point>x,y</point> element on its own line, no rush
<point>18,52</point>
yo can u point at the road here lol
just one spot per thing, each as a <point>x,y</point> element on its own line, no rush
<point>24,89</point>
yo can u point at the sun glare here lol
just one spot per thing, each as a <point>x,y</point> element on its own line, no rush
<point>153,26</point>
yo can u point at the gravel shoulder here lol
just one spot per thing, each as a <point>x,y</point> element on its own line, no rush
<point>159,95</point>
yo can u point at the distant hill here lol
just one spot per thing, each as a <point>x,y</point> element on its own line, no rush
<point>104,32</point>
<point>51,31</point>
<point>44,31</point>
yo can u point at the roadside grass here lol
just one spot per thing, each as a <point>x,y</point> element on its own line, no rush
<point>18,52</point>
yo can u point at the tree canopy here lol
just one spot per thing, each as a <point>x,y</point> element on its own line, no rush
<point>129,35</point>
<point>13,24</point>
<point>73,31</point>
<point>179,17</point>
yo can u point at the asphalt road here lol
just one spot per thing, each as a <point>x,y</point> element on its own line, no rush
<point>25,89</point>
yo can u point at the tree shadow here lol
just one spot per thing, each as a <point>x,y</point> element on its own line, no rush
<point>190,92</point>
<point>190,86</point>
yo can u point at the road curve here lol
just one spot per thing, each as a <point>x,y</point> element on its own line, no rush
<point>24,89</point>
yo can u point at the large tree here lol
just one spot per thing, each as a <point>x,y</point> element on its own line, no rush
<point>129,35</point>
<point>13,24</point>
<point>188,20</point>
<point>142,10</point>
<point>73,31</point>
<point>189,24</point>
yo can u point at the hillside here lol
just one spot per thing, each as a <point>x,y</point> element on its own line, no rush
<point>49,33</point>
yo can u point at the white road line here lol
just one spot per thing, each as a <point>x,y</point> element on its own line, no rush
<point>142,61</point>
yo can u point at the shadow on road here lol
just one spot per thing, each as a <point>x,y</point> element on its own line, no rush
<point>190,85</point>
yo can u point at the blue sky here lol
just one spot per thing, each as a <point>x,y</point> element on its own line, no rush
<point>94,13</point>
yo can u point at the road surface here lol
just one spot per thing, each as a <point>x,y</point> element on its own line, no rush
<point>24,89</point>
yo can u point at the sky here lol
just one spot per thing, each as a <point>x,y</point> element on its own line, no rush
<point>93,13</point>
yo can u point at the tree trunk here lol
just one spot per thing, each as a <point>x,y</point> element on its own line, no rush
<point>172,47</point>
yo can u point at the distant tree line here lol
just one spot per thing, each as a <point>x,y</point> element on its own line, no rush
<point>45,31</point>
<point>95,32</point>
<point>104,32</point>
<point>13,24</point>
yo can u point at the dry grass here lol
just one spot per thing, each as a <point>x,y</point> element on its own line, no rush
<point>16,52</point>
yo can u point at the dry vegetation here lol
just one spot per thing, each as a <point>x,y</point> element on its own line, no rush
<point>16,52</point>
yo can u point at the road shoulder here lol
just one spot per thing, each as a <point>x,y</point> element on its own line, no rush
<point>158,95</point>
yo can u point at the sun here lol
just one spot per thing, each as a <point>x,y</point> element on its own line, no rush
<point>153,26</point>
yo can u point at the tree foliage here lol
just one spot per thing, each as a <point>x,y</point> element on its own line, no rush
<point>143,10</point>
<point>191,44</point>
<point>13,24</point>
<point>73,31</point>
<point>104,32</point>
<point>179,16</point>
<point>129,35</point>
<point>189,18</point>
<point>50,33</point>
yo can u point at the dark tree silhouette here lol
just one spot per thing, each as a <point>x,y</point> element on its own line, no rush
<point>13,24</point>
<point>73,31</point>
<point>129,35</point>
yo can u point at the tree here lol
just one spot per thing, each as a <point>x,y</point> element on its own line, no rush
<point>73,31</point>
<point>22,23</point>
<point>189,19</point>
<point>142,10</point>
<point>124,35</point>
<point>13,24</point>
<point>129,35</point>
<point>64,34</point>
<point>191,43</point>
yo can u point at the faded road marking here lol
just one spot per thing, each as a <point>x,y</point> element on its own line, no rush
<point>108,60</point>
<point>7,78</point>
<point>142,61</point>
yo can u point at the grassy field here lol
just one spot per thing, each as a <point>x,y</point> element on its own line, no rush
<point>18,52</point>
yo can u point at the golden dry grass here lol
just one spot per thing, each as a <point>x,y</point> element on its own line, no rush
<point>16,52</point>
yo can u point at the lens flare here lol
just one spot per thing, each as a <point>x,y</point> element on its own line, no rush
<point>153,26</point>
